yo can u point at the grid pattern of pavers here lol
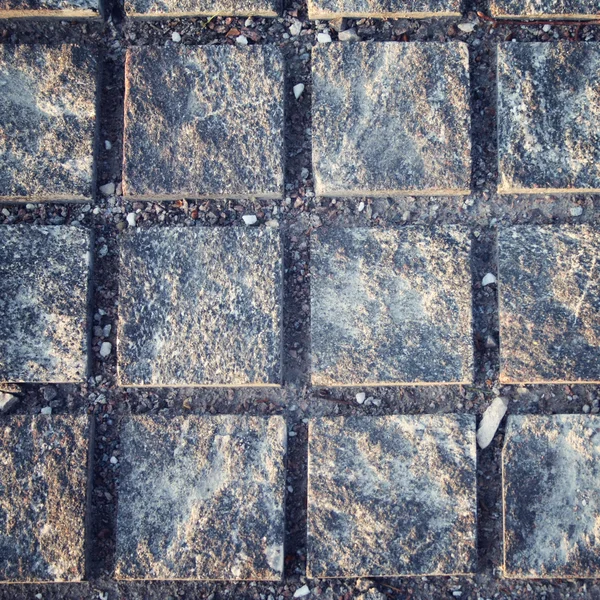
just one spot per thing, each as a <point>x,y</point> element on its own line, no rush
<point>202,498</point>
<point>47,122</point>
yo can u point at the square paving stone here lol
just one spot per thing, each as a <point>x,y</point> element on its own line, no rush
<point>201,498</point>
<point>200,307</point>
<point>549,298</point>
<point>44,273</point>
<point>548,121</point>
<point>392,496</point>
<point>44,466</point>
<point>383,9</point>
<point>391,306</point>
<point>545,9</point>
<point>551,494</point>
<point>203,121</point>
<point>191,8</point>
<point>47,122</point>
<point>391,118</point>
<point>64,9</point>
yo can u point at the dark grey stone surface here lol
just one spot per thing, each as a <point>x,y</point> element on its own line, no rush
<point>385,9</point>
<point>49,8</point>
<point>551,480</point>
<point>391,306</point>
<point>47,122</point>
<point>391,496</point>
<point>561,9</point>
<point>200,307</point>
<point>549,304</point>
<point>547,119</point>
<point>43,497</point>
<point>391,118</point>
<point>203,121</point>
<point>201,498</point>
<point>172,8</point>
<point>44,274</point>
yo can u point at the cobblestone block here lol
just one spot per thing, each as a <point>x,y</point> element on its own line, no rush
<point>392,496</point>
<point>549,298</point>
<point>200,307</point>
<point>547,118</point>
<point>44,466</point>
<point>64,9</point>
<point>203,121</point>
<point>201,498</point>
<point>382,9</point>
<point>191,8</point>
<point>391,118</point>
<point>44,274</point>
<point>545,9</point>
<point>551,479</point>
<point>391,306</point>
<point>47,122</point>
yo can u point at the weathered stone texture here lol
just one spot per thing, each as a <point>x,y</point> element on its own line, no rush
<point>551,479</point>
<point>391,306</point>
<point>200,307</point>
<point>391,496</point>
<point>44,274</point>
<point>549,299</point>
<point>548,117</point>
<point>545,9</point>
<point>173,8</point>
<point>385,9</point>
<point>47,122</point>
<point>43,497</point>
<point>391,118</point>
<point>201,498</point>
<point>49,8</point>
<point>203,121</point>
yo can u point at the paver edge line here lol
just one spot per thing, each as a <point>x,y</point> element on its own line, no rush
<point>185,15</point>
<point>87,543</point>
<point>53,15</point>
<point>315,14</point>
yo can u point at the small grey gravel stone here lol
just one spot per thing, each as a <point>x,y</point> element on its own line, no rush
<point>7,401</point>
<point>348,35</point>
<point>49,392</point>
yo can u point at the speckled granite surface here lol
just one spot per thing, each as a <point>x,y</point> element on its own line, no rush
<point>549,303</point>
<point>391,496</point>
<point>201,498</point>
<point>333,9</point>
<point>391,306</point>
<point>44,275</point>
<point>47,122</point>
<point>43,497</point>
<point>203,121</point>
<point>200,307</point>
<point>551,481</point>
<point>49,8</point>
<point>391,118</point>
<point>548,117</point>
<point>171,8</point>
<point>561,9</point>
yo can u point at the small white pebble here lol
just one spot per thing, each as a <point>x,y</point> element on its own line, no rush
<point>360,397</point>
<point>546,28</point>
<point>131,219</point>
<point>108,189</point>
<point>576,211</point>
<point>361,207</point>
<point>586,408</point>
<point>298,89</point>
<point>242,40</point>
<point>103,251</point>
<point>176,37</point>
<point>295,28</point>
<point>107,145</point>
<point>47,410</point>
<point>105,349</point>
<point>301,592</point>
<point>6,212</point>
<point>466,27</point>
<point>249,219</point>
<point>113,460</point>
<point>488,279</point>
<point>323,38</point>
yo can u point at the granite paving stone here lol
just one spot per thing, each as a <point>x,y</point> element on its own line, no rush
<point>545,9</point>
<point>47,122</point>
<point>201,498</point>
<point>551,494</point>
<point>190,8</point>
<point>64,9</point>
<point>548,118</point>
<point>44,466</point>
<point>391,119</point>
<point>44,273</point>
<point>549,304</point>
<point>391,306</point>
<point>203,121</point>
<point>383,9</point>
<point>392,496</point>
<point>200,307</point>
